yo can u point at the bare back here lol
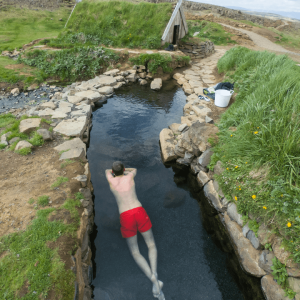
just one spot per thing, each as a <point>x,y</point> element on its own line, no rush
<point>123,188</point>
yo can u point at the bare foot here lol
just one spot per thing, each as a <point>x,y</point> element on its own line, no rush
<point>160,296</point>
<point>155,289</point>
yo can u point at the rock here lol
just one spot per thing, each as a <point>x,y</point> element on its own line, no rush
<point>28,125</point>
<point>254,240</point>
<point>192,78</point>
<point>142,75</point>
<point>45,134</point>
<point>174,199</point>
<point>143,82</point>
<point>49,104</point>
<point>293,272</point>
<point>13,140</point>
<point>82,179</point>
<point>15,91</point>
<point>213,197</point>
<point>195,84</point>
<point>192,97</point>
<point>87,293</point>
<point>233,214</point>
<point>176,76</point>
<point>5,143</point>
<point>106,81</point>
<point>156,84</point>
<point>182,127</point>
<point>218,169</point>
<point>46,112</point>
<point>118,85</point>
<point>174,127</point>
<point>5,136</point>
<point>187,88</point>
<point>120,78</point>
<point>218,189</point>
<point>282,254</point>
<point>65,104</point>
<point>245,230</point>
<point>265,235</point>
<point>247,255</point>
<point>182,81</point>
<point>113,72</point>
<point>23,144</point>
<point>204,159</point>
<point>89,95</point>
<point>167,144</point>
<point>76,143</point>
<point>71,127</point>
<point>75,99</point>
<point>271,289</point>
<point>132,77</point>
<point>265,260</point>
<point>66,109</point>
<point>74,153</point>
<point>294,284</point>
<point>106,90</point>
<point>59,115</point>
<point>202,179</point>
<point>199,90</point>
<point>209,120</point>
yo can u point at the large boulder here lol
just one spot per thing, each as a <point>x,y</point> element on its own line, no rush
<point>73,153</point>
<point>167,144</point>
<point>72,127</point>
<point>272,289</point>
<point>76,143</point>
<point>28,125</point>
<point>23,144</point>
<point>156,84</point>
<point>247,255</point>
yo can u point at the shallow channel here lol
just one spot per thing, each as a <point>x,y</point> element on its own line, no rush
<point>189,262</point>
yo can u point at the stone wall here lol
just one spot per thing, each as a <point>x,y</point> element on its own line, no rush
<point>197,50</point>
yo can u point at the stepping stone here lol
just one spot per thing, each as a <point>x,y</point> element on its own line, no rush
<point>59,115</point>
<point>65,104</point>
<point>156,84</point>
<point>195,84</point>
<point>191,72</point>
<point>46,112</point>
<point>75,99</point>
<point>72,144</point>
<point>29,124</point>
<point>71,127</point>
<point>192,77</point>
<point>65,110</point>
<point>106,81</point>
<point>112,72</point>
<point>182,80</point>
<point>89,95</point>
<point>106,90</point>
<point>49,104</point>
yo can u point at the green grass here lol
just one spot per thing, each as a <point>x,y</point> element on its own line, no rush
<point>24,151</point>
<point>266,140</point>
<point>43,200</point>
<point>66,163</point>
<point>73,64</point>
<point>24,249</point>
<point>290,39</point>
<point>71,205</point>
<point>116,23</point>
<point>21,26</point>
<point>79,196</point>
<point>209,31</point>
<point>31,201</point>
<point>59,181</point>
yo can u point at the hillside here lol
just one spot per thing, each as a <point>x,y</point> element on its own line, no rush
<point>116,23</point>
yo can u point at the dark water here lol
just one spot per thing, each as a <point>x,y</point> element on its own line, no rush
<point>189,263</point>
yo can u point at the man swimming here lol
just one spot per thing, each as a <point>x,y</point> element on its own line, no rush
<point>133,218</point>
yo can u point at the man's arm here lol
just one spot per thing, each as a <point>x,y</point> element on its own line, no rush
<point>130,171</point>
<point>108,174</point>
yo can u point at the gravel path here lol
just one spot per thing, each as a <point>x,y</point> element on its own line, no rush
<point>261,41</point>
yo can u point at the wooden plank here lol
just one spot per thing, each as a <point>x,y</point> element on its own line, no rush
<point>186,28</point>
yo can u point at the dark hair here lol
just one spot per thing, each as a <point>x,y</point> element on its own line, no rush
<point>118,168</point>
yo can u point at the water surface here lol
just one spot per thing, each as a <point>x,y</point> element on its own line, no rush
<point>190,265</point>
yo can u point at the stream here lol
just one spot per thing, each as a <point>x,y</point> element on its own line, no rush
<point>190,264</point>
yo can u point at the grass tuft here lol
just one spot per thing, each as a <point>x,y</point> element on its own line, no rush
<point>43,200</point>
<point>59,181</point>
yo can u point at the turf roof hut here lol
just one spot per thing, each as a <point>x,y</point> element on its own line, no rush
<point>177,27</point>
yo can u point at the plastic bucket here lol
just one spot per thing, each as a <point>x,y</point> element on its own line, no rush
<point>222,98</point>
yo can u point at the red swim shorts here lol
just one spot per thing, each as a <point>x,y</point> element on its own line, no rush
<point>134,220</point>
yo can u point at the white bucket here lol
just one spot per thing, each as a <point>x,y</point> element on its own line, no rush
<point>222,97</point>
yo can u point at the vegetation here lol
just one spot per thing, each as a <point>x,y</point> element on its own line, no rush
<point>43,200</point>
<point>66,163</point>
<point>290,39</point>
<point>280,275</point>
<point>258,141</point>
<point>115,23</point>
<point>11,124</point>
<point>59,181</point>
<point>30,264</point>
<point>72,64</point>
<point>209,31</point>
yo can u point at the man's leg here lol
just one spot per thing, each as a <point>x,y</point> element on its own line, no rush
<point>152,252</point>
<point>140,260</point>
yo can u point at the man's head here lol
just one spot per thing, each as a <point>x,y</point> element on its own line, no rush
<point>118,168</point>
